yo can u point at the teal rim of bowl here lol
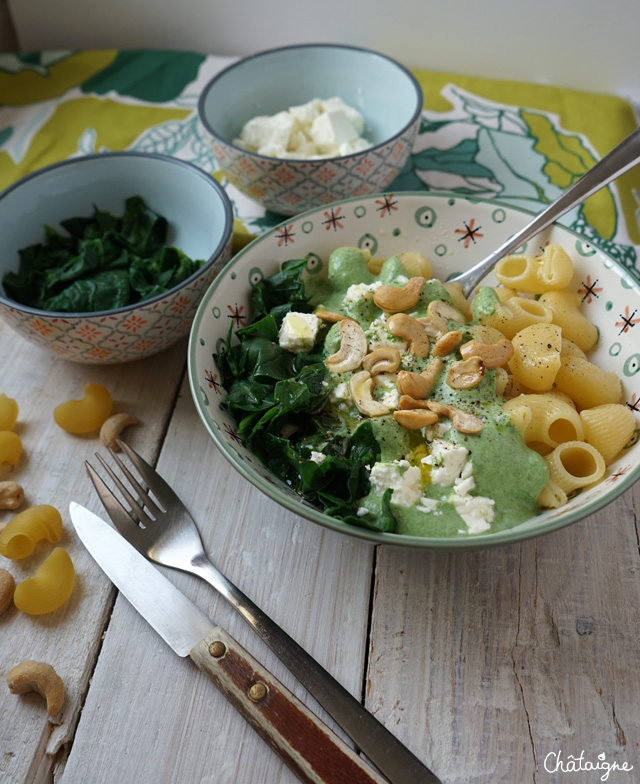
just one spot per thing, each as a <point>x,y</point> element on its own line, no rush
<point>412,79</point>
<point>226,235</point>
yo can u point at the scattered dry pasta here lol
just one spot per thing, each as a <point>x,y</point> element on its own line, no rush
<point>49,588</point>
<point>85,415</point>
<point>35,524</point>
<point>8,412</point>
<point>10,447</point>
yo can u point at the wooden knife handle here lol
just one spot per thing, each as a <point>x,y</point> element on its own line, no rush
<point>312,750</point>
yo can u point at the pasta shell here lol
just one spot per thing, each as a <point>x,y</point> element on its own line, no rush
<point>608,428</point>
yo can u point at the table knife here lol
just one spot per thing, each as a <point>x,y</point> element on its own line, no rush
<point>310,748</point>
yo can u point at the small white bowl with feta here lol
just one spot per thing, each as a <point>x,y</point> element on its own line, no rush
<point>301,126</point>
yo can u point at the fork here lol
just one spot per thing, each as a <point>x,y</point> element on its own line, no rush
<point>164,531</point>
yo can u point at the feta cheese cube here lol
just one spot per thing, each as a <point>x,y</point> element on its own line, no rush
<point>298,331</point>
<point>331,129</point>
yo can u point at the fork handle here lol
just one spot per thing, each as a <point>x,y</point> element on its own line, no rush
<point>386,752</point>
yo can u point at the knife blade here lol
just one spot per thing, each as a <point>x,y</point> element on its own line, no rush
<point>306,745</point>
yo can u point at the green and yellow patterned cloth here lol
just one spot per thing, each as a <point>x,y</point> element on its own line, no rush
<point>521,143</point>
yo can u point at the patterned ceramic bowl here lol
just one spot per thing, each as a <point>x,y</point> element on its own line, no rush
<point>200,224</point>
<point>454,233</point>
<point>386,94</point>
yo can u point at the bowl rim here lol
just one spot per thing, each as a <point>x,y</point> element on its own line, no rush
<point>311,162</point>
<point>226,234</point>
<point>305,509</point>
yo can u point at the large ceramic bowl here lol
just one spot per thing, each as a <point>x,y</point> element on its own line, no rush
<point>454,233</point>
<point>200,224</point>
<point>384,92</point>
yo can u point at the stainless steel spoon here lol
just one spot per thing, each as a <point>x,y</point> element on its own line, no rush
<point>622,158</point>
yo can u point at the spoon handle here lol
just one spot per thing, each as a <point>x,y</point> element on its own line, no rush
<point>622,158</point>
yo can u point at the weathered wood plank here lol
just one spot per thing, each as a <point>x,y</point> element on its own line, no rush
<point>488,664</point>
<point>52,472</point>
<point>151,717</point>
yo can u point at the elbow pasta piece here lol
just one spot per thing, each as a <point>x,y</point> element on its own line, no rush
<point>8,412</point>
<point>87,414</point>
<point>608,428</point>
<point>569,349</point>
<point>516,313</point>
<point>416,264</point>
<point>587,384</point>
<point>575,464</point>
<point>10,447</point>
<point>551,271</point>
<point>551,496</point>
<point>544,421</point>
<point>565,309</point>
<point>49,588</point>
<point>21,534</point>
<point>536,356</point>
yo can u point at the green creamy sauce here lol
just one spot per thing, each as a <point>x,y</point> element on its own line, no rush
<point>504,468</point>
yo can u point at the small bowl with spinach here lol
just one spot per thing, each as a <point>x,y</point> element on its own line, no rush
<point>106,257</point>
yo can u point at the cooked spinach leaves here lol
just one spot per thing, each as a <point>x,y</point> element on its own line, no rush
<point>279,401</point>
<point>102,263</point>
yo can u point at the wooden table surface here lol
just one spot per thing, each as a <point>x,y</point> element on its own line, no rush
<point>493,666</point>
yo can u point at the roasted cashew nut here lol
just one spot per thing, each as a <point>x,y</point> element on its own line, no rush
<point>407,403</point>
<point>329,315</point>
<point>466,374</point>
<point>11,495</point>
<point>353,348</point>
<point>39,677</point>
<point>113,427</point>
<point>434,327</point>
<point>7,587</point>
<point>361,387</point>
<point>402,326</point>
<point>382,360</point>
<point>415,419</point>
<point>493,355</point>
<point>442,310</point>
<point>461,420</point>
<point>419,385</point>
<point>395,299</point>
<point>446,343</point>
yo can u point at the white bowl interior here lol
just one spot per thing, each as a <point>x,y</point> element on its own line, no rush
<point>187,197</point>
<point>438,225</point>
<point>384,92</point>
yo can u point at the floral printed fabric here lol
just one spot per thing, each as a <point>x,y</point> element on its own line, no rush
<point>520,143</point>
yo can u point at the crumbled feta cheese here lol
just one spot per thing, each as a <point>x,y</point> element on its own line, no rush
<point>475,510</point>
<point>406,483</point>
<point>340,392</point>
<point>318,129</point>
<point>318,457</point>
<point>361,291</point>
<point>391,399</point>
<point>298,331</point>
<point>362,511</point>
<point>427,505</point>
<point>447,461</point>
<point>465,483</point>
<point>378,336</point>
<point>439,430</point>
<point>385,380</point>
